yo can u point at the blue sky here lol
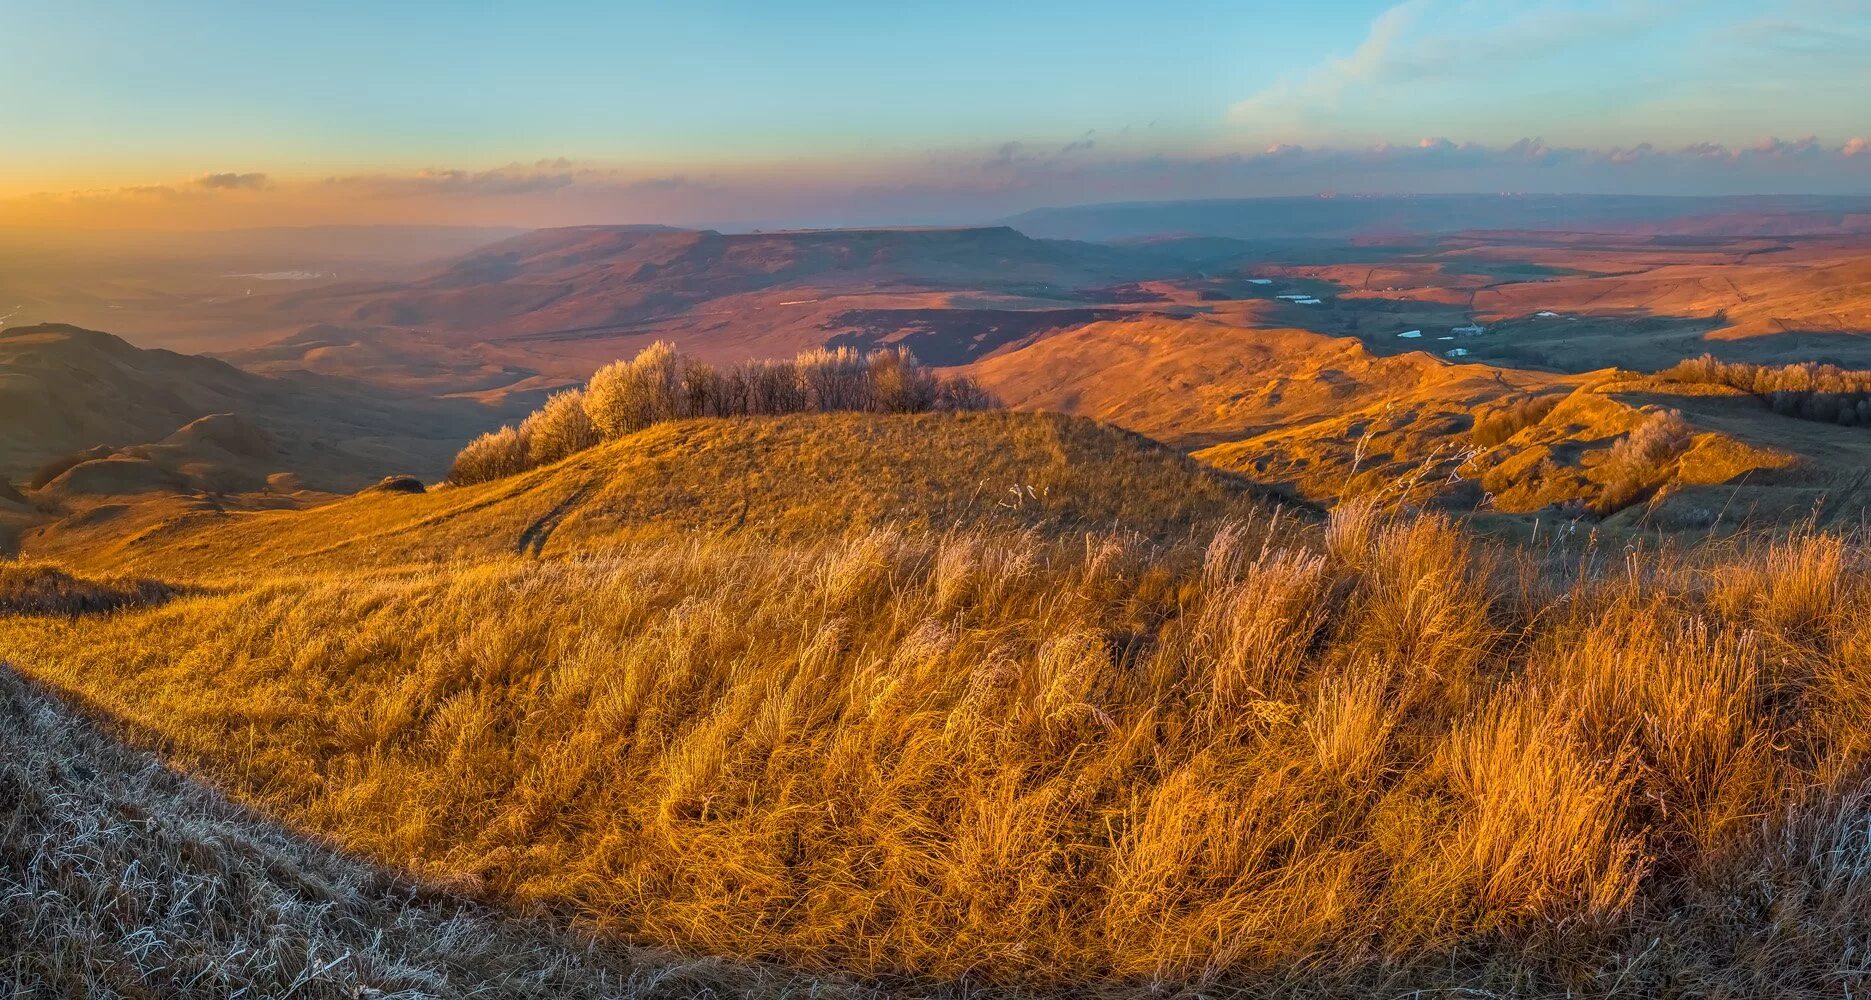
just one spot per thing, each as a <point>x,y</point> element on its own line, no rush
<point>757,99</point>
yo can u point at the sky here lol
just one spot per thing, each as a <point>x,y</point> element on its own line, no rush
<point>209,114</point>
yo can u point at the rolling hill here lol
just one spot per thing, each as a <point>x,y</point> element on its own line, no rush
<point>1328,419</point>
<point>64,390</point>
<point>781,478</point>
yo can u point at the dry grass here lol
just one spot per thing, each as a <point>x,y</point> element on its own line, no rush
<point>792,478</point>
<point>1372,759</point>
<point>28,588</point>
<point>123,879</point>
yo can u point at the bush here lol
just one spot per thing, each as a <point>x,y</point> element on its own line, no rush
<point>626,396</point>
<point>491,456</point>
<point>1496,426</point>
<point>836,379</point>
<point>1639,461</point>
<point>560,428</point>
<point>1810,391</point>
<point>900,384</point>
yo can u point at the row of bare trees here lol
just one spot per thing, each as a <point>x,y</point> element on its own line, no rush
<point>661,384</point>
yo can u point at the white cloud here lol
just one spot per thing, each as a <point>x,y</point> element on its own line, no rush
<point>1288,102</point>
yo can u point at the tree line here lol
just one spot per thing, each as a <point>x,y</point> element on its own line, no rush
<point>662,384</point>
<point>1807,390</point>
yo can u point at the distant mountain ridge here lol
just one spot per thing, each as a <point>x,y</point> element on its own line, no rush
<point>568,280</point>
<point>1347,216</point>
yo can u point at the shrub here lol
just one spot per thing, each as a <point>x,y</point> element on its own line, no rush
<point>1807,390</point>
<point>491,456</point>
<point>899,383</point>
<point>1639,461</point>
<point>626,396</point>
<point>964,393</point>
<point>560,428</point>
<point>1498,425</point>
<point>834,379</point>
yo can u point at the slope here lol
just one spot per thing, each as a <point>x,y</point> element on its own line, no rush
<point>1327,419</point>
<point>780,477</point>
<point>63,390</point>
<point>128,879</point>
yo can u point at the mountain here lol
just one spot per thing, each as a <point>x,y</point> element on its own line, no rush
<point>585,279</point>
<point>65,390</point>
<point>1348,216</point>
<point>561,302</point>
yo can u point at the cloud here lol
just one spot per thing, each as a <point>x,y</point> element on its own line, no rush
<point>1625,68</point>
<point>961,184</point>
<point>512,179</point>
<point>1005,155</point>
<point>232,182</point>
<point>1323,87</point>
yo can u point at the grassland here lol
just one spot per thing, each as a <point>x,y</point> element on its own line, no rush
<point>1099,751</point>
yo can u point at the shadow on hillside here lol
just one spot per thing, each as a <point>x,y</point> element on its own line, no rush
<point>34,589</point>
<point>956,336</point>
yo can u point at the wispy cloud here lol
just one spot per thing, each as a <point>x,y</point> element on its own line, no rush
<point>1585,67</point>
<point>1291,101</point>
<point>964,185</point>
<point>232,182</point>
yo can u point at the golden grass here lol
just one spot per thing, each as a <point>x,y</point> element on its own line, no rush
<point>791,478</point>
<point>1379,756</point>
<point>33,588</point>
<point>123,879</point>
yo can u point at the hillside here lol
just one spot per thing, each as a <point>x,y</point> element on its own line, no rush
<point>64,390</point>
<point>1384,754</point>
<point>564,281</point>
<point>212,878</point>
<point>793,477</point>
<point>1328,419</point>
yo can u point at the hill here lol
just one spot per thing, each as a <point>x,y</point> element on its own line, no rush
<point>64,390</point>
<point>793,477</point>
<point>563,301</point>
<point>1329,419</point>
<point>585,279</point>
<point>1370,760</point>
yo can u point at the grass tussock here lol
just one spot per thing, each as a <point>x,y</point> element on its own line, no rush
<point>124,879</point>
<point>42,589</point>
<point>1377,757</point>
